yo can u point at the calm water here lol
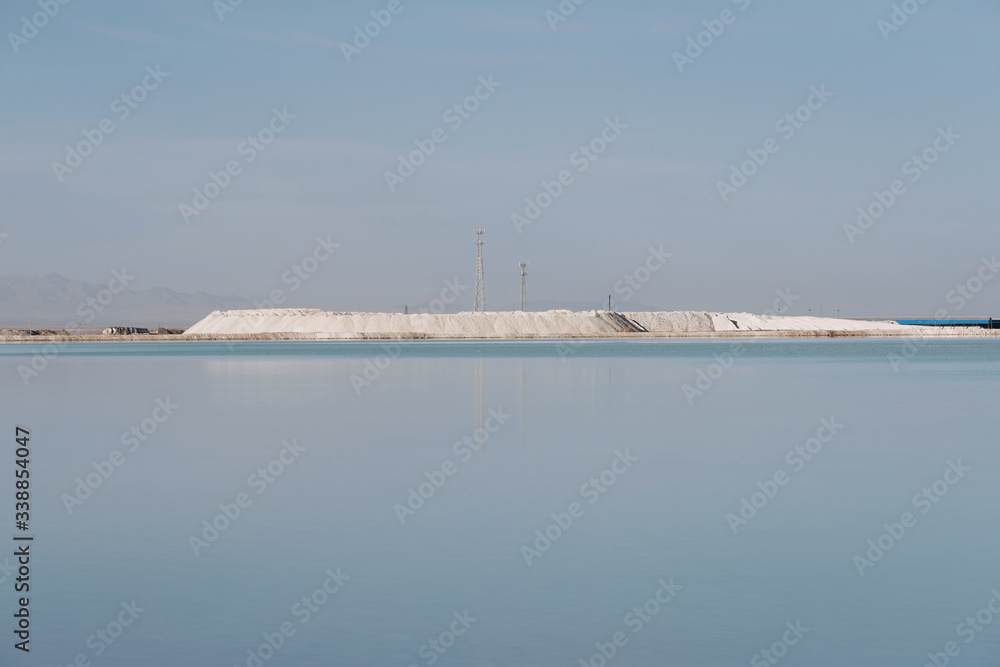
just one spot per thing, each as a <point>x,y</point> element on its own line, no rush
<point>670,466</point>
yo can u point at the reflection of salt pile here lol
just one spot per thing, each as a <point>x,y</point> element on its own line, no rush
<point>552,323</point>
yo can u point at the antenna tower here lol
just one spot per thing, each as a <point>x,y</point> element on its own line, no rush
<point>524,301</point>
<point>480,302</point>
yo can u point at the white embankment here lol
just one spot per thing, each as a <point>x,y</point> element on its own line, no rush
<point>547,324</point>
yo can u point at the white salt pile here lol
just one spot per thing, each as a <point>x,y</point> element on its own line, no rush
<point>694,321</point>
<point>459,325</point>
<point>552,323</point>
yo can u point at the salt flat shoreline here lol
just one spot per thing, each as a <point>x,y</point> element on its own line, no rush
<point>297,324</point>
<point>948,332</point>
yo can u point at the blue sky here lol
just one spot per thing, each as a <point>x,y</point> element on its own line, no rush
<point>656,184</point>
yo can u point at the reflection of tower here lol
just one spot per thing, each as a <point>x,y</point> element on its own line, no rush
<point>524,401</point>
<point>524,301</point>
<point>480,302</point>
<point>480,394</point>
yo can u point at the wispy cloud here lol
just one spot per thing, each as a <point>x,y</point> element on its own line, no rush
<point>508,24</point>
<point>136,36</point>
<point>672,28</point>
<point>288,37</point>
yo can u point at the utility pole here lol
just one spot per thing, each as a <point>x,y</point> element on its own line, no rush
<point>524,301</point>
<point>479,305</point>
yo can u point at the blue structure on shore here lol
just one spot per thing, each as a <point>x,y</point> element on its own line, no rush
<point>986,323</point>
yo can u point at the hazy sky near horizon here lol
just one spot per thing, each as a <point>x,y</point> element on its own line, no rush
<point>891,96</point>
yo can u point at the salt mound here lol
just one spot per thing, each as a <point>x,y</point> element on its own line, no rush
<point>461,325</point>
<point>673,322</point>
<point>748,322</point>
<point>550,324</point>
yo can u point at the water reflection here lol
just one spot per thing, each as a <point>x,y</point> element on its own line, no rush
<point>365,449</point>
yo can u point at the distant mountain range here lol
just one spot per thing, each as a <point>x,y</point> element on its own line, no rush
<point>55,302</point>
